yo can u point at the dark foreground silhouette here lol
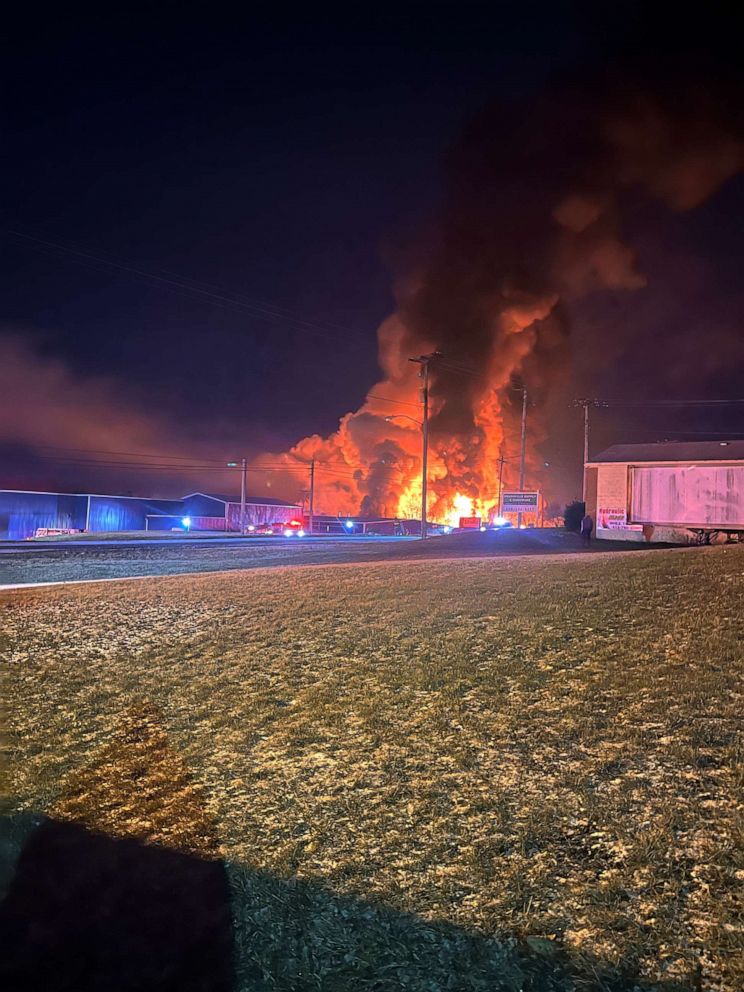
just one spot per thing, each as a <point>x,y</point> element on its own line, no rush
<point>84,911</point>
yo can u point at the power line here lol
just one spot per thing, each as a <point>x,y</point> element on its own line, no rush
<point>450,366</point>
<point>185,284</point>
<point>203,467</point>
<point>674,403</point>
<point>703,433</point>
<point>385,399</point>
<point>134,466</point>
<point>460,369</point>
<point>129,454</point>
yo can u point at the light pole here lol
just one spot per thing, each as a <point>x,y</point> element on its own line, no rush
<point>243,473</point>
<point>311,515</point>
<point>501,481</point>
<point>420,425</point>
<point>523,448</point>
<point>423,361</point>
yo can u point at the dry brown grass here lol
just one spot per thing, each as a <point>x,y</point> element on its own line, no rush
<point>545,752</point>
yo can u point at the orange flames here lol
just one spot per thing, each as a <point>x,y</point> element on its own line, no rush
<point>372,464</point>
<point>521,236</point>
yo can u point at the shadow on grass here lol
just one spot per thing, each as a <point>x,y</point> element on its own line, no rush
<point>85,911</point>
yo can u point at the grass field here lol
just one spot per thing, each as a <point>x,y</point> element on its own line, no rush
<point>505,774</point>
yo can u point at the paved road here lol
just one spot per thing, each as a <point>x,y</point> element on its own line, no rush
<point>23,563</point>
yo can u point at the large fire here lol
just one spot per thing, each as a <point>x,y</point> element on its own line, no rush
<point>372,464</point>
<point>523,234</point>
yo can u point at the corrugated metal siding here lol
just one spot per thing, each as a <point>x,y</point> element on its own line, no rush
<point>158,522</point>
<point>111,513</point>
<point>200,505</point>
<point>22,513</point>
<point>257,514</point>
<point>208,523</point>
<point>704,495</point>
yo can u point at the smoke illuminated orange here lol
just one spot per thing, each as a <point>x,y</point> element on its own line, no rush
<point>372,464</point>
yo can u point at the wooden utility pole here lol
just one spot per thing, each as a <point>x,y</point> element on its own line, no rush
<point>586,403</point>
<point>423,361</point>
<point>586,452</point>
<point>424,450</point>
<point>523,448</point>
<point>243,473</point>
<point>312,498</point>
<point>501,482</point>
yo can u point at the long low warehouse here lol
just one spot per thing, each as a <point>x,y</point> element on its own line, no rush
<point>23,513</point>
<point>672,491</point>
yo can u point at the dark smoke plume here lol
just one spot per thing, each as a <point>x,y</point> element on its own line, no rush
<point>533,221</point>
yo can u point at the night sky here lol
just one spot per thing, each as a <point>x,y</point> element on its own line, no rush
<point>206,219</point>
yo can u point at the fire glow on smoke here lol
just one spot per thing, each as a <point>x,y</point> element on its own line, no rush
<point>372,464</point>
<point>532,223</point>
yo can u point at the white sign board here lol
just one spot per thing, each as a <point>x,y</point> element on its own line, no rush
<point>520,502</point>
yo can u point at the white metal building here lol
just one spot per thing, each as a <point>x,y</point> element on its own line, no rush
<point>677,491</point>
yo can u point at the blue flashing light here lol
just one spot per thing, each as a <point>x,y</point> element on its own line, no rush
<point>500,521</point>
<point>349,524</point>
<point>186,521</point>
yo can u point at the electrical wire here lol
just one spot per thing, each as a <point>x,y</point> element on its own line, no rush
<point>212,293</point>
<point>676,403</point>
<point>703,433</point>
<point>130,454</point>
<point>385,399</point>
<point>450,366</point>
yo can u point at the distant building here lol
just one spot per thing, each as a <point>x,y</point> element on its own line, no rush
<point>676,491</point>
<point>23,513</point>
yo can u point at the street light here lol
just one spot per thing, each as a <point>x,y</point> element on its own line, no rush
<point>404,416</point>
<point>243,473</point>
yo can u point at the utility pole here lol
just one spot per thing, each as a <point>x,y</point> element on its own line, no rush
<point>501,482</point>
<point>423,361</point>
<point>425,450</point>
<point>243,473</point>
<point>586,403</point>
<point>312,498</point>
<point>523,448</point>
<point>586,452</point>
